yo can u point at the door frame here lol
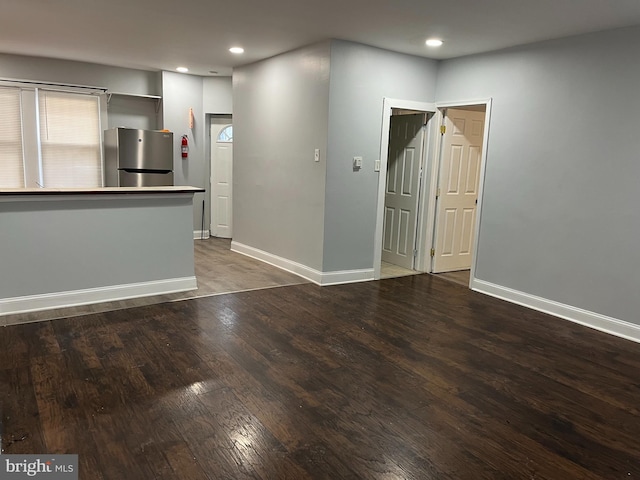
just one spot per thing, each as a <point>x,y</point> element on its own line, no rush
<point>212,119</point>
<point>387,105</point>
<point>437,155</point>
<point>212,160</point>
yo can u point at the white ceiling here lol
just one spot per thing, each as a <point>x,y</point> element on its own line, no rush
<point>163,34</point>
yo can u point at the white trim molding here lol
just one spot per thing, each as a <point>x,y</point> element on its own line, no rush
<point>311,274</point>
<point>201,234</point>
<point>47,301</point>
<point>603,323</point>
<point>387,105</point>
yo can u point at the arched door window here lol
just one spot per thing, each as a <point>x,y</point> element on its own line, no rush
<point>226,134</point>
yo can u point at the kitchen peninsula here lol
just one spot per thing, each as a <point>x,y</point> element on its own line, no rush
<point>65,247</point>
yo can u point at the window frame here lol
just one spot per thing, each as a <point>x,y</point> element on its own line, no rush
<point>229,139</point>
<point>30,124</point>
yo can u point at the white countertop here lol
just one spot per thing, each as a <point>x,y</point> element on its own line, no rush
<point>100,191</point>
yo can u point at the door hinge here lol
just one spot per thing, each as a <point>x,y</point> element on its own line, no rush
<point>415,253</point>
<point>438,193</point>
<point>433,252</point>
<point>443,129</point>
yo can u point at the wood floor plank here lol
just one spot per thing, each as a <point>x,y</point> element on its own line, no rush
<point>266,455</point>
<point>19,408</point>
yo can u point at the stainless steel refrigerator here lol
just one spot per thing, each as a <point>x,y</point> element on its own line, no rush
<point>137,158</point>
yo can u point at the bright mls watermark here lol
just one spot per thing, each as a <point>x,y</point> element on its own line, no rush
<point>49,467</point>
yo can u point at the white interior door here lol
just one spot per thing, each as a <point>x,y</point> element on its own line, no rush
<point>406,140</point>
<point>221,180</point>
<point>458,189</point>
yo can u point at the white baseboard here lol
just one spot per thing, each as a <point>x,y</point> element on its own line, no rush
<point>613,326</point>
<point>347,276</point>
<point>201,234</point>
<point>311,274</point>
<point>47,301</point>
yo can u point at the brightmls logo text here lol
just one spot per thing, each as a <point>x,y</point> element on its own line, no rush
<point>31,468</point>
<point>49,467</point>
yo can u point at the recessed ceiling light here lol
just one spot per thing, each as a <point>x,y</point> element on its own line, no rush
<point>182,69</point>
<point>236,50</point>
<point>434,42</point>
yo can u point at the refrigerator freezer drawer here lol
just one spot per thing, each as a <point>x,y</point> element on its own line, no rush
<point>145,179</point>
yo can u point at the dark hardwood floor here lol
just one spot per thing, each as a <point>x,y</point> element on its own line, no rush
<point>407,378</point>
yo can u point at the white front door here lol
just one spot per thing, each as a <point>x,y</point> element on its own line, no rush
<point>221,180</point>
<point>458,189</point>
<point>406,140</point>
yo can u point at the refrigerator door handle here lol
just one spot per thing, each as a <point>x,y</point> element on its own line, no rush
<point>144,170</point>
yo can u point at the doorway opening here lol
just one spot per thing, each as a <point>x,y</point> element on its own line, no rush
<point>402,192</point>
<point>428,220</point>
<point>401,186</point>
<point>221,222</point>
<point>459,175</point>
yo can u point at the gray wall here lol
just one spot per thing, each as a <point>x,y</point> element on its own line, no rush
<point>74,243</point>
<point>132,112</point>
<point>217,95</point>
<point>559,215</point>
<point>181,92</point>
<point>117,79</point>
<point>280,118</point>
<point>206,95</point>
<point>361,77</point>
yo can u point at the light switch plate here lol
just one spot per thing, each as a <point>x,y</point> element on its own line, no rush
<point>357,163</point>
<point>316,155</point>
<point>376,166</point>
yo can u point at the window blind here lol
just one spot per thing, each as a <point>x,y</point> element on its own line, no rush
<point>11,158</point>
<point>70,139</point>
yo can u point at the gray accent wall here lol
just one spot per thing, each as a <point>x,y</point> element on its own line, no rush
<point>361,77</point>
<point>134,112</point>
<point>328,96</point>
<point>181,92</point>
<point>73,243</point>
<point>280,111</point>
<point>116,79</point>
<point>217,95</point>
<point>217,99</point>
<point>559,215</point>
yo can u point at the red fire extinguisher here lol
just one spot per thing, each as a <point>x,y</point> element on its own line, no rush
<point>185,146</point>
